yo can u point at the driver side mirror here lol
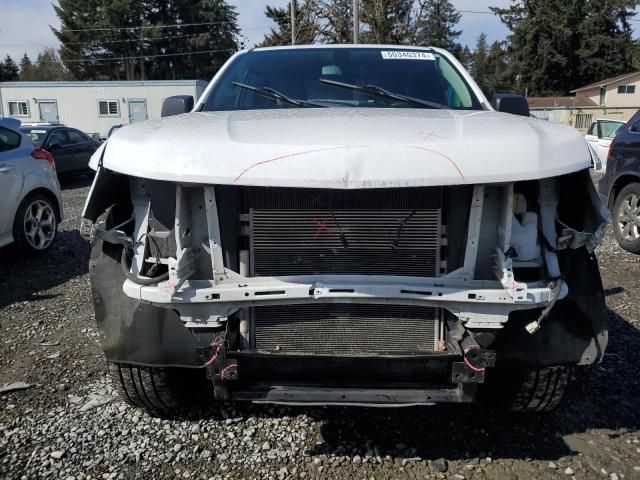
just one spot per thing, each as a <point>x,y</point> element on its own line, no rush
<point>176,105</point>
<point>511,103</point>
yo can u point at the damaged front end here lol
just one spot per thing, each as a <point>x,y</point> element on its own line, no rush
<point>381,296</point>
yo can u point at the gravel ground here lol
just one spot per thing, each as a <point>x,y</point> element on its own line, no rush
<point>71,425</point>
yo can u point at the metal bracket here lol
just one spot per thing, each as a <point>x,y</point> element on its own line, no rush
<point>89,231</point>
<point>220,369</point>
<point>472,369</point>
<point>503,269</point>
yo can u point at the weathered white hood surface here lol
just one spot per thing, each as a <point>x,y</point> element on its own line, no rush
<point>345,148</point>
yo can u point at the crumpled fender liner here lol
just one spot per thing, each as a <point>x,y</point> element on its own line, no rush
<point>133,332</point>
<point>575,333</point>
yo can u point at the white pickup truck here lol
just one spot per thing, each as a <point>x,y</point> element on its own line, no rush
<point>346,225</point>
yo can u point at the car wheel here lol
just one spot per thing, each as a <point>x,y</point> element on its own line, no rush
<point>626,218</point>
<point>36,225</point>
<point>540,390</point>
<point>162,392</point>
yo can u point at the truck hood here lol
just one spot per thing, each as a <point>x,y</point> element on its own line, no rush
<point>345,148</point>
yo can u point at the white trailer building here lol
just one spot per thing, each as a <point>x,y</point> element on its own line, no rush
<point>93,107</point>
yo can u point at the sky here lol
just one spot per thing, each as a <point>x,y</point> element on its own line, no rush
<point>24,24</point>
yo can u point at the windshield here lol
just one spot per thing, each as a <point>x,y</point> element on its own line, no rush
<point>341,77</point>
<point>36,135</point>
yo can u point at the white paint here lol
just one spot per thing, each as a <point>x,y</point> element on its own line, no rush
<point>346,148</point>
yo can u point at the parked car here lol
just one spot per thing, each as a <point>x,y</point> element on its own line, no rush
<point>30,200</point>
<point>368,231</point>
<point>600,135</point>
<point>70,147</point>
<point>621,185</point>
<point>42,124</point>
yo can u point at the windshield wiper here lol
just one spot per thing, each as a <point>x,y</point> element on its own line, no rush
<point>376,91</point>
<point>274,94</point>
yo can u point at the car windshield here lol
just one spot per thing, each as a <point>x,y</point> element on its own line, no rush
<point>341,77</point>
<point>609,129</point>
<point>36,135</point>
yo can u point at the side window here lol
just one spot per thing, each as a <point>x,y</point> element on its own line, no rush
<point>635,127</point>
<point>18,108</point>
<point>108,108</point>
<point>75,137</point>
<point>8,140</point>
<point>58,137</point>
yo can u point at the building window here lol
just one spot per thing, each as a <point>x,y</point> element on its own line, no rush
<point>108,108</point>
<point>19,108</point>
<point>583,120</point>
<point>626,89</point>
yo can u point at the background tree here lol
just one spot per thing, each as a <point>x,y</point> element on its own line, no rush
<point>387,21</point>
<point>607,45</point>
<point>335,20</point>
<point>9,70</point>
<point>480,64</point>
<point>154,39</point>
<point>556,46</point>
<point>438,21</point>
<point>26,68</point>
<point>501,77</point>
<point>48,67</point>
<point>308,29</point>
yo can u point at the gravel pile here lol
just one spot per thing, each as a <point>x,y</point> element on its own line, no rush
<point>70,424</point>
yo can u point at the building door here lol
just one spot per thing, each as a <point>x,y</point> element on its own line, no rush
<point>137,110</point>
<point>48,111</point>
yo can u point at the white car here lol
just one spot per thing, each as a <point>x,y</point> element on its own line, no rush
<point>600,135</point>
<point>352,224</point>
<point>30,200</point>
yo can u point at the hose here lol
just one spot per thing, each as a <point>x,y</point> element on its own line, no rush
<point>134,278</point>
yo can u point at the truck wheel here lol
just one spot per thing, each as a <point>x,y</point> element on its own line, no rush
<point>162,392</point>
<point>528,390</point>
<point>626,218</point>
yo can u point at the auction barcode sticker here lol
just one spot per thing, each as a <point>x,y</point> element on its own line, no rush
<point>407,55</point>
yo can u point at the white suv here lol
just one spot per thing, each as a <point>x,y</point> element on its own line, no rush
<point>346,225</point>
<point>29,192</point>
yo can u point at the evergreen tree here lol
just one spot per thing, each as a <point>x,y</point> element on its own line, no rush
<point>480,64</point>
<point>439,26</point>
<point>10,70</point>
<point>154,39</point>
<point>607,46</point>
<point>49,67</point>
<point>26,68</point>
<point>543,43</point>
<point>556,46</point>
<point>499,71</point>
<point>466,57</point>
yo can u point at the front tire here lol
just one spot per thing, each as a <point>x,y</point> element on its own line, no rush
<point>162,392</point>
<point>540,390</point>
<point>626,218</point>
<point>35,226</point>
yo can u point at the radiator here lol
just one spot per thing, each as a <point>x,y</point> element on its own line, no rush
<point>347,329</point>
<point>365,232</point>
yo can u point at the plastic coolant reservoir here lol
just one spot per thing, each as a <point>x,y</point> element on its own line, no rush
<point>524,237</point>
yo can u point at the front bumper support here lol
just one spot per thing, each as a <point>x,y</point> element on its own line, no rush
<point>478,303</point>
